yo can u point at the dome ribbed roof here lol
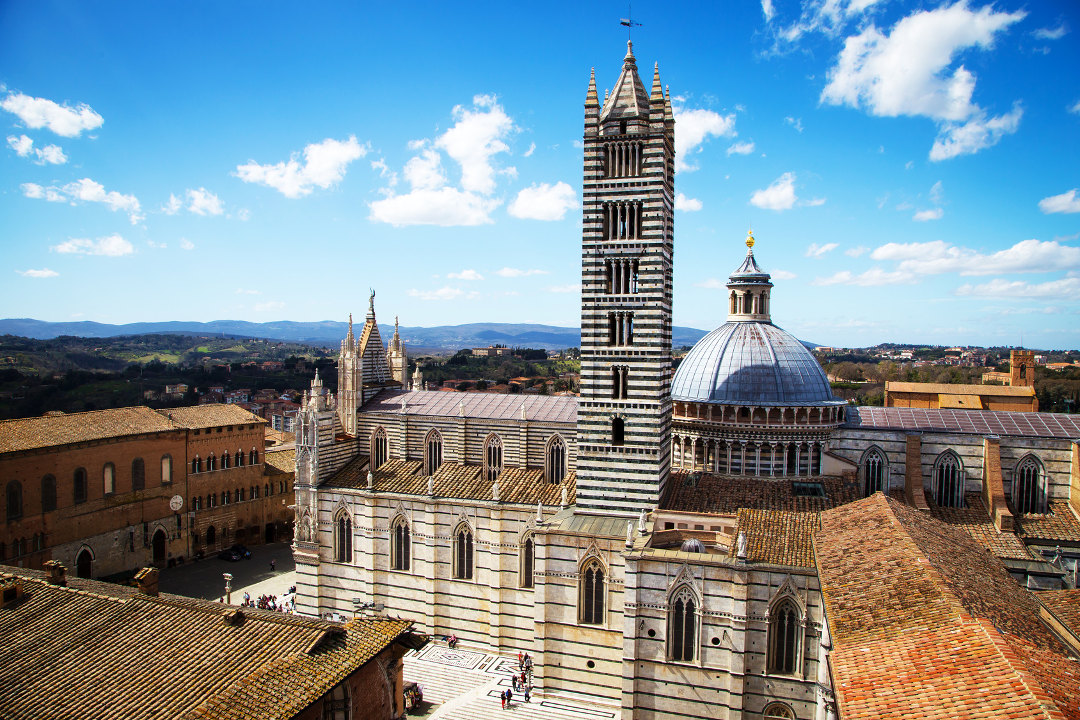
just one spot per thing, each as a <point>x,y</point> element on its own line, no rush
<point>751,363</point>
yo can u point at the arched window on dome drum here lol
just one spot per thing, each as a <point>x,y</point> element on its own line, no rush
<point>1029,487</point>
<point>722,451</point>
<point>734,303</point>
<point>778,711</point>
<point>736,459</point>
<point>948,481</point>
<point>432,452</point>
<point>591,596</point>
<point>493,457</point>
<point>874,469</point>
<point>380,448</point>
<point>400,540</point>
<point>682,626</point>
<point>784,628</point>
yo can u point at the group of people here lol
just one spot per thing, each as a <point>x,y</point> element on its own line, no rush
<point>520,681</point>
<point>269,602</point>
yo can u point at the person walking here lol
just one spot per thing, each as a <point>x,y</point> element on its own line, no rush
<point>273,564</point>
<point>509,696</point>
<point>502,697</point>
<point>526,693</point>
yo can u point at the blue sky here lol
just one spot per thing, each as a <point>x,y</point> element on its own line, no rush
<point>911,170</point>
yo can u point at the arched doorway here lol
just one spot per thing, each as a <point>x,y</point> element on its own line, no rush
<point>211,536</point>
<point>160,554</point>
<point>269,532</point>
<point>84,563</point>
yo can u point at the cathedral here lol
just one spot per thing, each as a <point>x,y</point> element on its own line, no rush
<point>655,542</point>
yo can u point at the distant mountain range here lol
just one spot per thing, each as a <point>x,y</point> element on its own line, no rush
<point>327,332</point>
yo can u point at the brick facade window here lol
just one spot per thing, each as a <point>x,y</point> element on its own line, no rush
<point>166,469</point>
<point>108,478</point>
<point>13,496</point>
<point>79,486</point>
<point>48,493</point>
<point>138,474</point>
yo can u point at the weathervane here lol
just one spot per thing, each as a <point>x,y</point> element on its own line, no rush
<point>628,21</point>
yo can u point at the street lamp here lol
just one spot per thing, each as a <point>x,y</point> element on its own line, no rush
<point>228,587</point>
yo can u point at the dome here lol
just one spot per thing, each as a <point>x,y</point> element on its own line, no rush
<point>692,545</point>
<point>751,363</point>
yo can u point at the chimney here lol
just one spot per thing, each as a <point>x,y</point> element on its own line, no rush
<point>147,581</point>
<point>55,572</point>
<point>11,590</point>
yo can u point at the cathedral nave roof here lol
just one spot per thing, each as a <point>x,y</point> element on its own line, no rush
<point>489,406</point>
<point>978,422</point>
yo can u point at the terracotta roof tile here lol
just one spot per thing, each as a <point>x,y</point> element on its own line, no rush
<point>66,429</point>
<point>976,522</point>
<point>722,494</point>
<point>779,537</point>
<point>280,462</point>
<point>1065,604</point>
<point>1058,524</point>
<point>453,480</point>
<point>213,415</point>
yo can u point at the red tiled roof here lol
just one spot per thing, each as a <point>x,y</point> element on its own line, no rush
<point>927,624</point>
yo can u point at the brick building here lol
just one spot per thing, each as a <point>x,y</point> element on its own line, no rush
<point>109,491</point>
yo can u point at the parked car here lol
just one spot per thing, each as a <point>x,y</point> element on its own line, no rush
<point>230,555</point>
<point>244,552</point>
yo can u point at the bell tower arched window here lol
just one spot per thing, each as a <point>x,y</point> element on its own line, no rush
<point>591,594</point>
<point>380,448</point>
<point>948,481</point>
<point>784,630</point>
<point>682,626</point>
<point>874,471</point>
<point>493,457</point>
<point>1029,486</point>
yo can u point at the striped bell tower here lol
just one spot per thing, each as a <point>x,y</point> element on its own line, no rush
<point>624,413</point>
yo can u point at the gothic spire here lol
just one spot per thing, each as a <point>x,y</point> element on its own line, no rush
<point>657,89</point>
<point>590,97</point>
<point>628,99</point>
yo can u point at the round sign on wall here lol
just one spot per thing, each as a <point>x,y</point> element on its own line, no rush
<point>176,503</point>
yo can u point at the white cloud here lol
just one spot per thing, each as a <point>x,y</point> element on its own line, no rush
<point>909,72</point>
<point>1066,202</point>
<point>783,275</point>
<point>242,291</point>
<point>872,277</point>
<point>937,193</point>
<point>1051,33</point>
<point>741,148</point>
<point>544,202</point>
<point>1075,107</point>
<point>936,257</point>
<point>695,127</point>
<point>509,272</point>
<point>269,306</point>
<point>816,251</point>
<point>465,275</point>
<point>686,204</point>
<point>530,151</point>
<point>48,155</point>
<point>186,244</point>
<point>825,16</point>
<point>446,206</point>
<point>204,202</point>
<point>476,136</point>
<point>767,10</point>
<point>813,202</point>
<point>42,273</point>
<point>86,190</point>
<point>156,245</point>
<point>61,119</point>
<point>780,195</point>
<point>110,246</point>
<point>324,164</point>
<point>795,123</point>
<point>1065,288</point>
<point>443,293</point>
<point>924,215</point>
<point>243,214</point>
<point>173,205</point>
<point>856,251</point>
<point>564,288</point>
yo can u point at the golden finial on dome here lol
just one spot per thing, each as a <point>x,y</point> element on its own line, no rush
<point>750,238</point>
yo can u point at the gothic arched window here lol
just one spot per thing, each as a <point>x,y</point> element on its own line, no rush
<point>211,463</point>
<point>343,538</point>
<point>555,460</point>
<point>493,457</point>
<point>239,458</point>
<point>784,629</point>
<point>399,544</point>
<point>527,552</point>
<point>138,474</point>
<point>874,471</point>
<point>682,626</point>
<point>463,553</point>
<point>380,448</point>
<point>591,594</point>
<point>432,452</point>
<point>196,465</point>
<point>254,456</point>
<point>1029,486</point>
<point>778,711</point>
<point>948,480</point>
<point>225,459</point>
<point>13,497</point>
